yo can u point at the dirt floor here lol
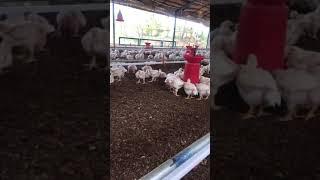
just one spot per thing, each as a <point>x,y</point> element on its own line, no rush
<point>150,125</point>
<point>53,118</point>
<point>264,148</point>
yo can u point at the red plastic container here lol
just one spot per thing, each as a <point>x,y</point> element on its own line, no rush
<point>192,67</point>
<point>262,31</point>
<point>148,45</point>
<point>192,71</point>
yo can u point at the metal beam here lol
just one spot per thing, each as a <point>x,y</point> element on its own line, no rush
<point>174,29</point>
<point>114,26</point>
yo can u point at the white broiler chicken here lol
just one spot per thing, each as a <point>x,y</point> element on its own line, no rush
<point>257,87</point>
<point>169,76</point>
<point>224,71</point>
<point>141,75</point>
<point>204,90</point>
<point>118,72</point>
<point>132,68</point>
<point>297,57</point>
<point>163,75</point>
<point>190,89</point>
<point>146,67</point>
<point>104,22</point>
<point>6,43</point>
<point>296,87</point>
<point>93,42</point>
<point>29,35</point>
<point>314,94</point>
<point>70,22</point>
<point>225,29</point>
<point>175,83</point>
<point>150,56</point>
<point>130,57</point>
<point>111,78</point>
<point>139,56</point>
<point>179,73</point>
<point>154,74</point>
<point>172,57</point>
<point>204,80</point>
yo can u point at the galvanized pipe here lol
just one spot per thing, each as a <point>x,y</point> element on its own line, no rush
<point>178,165</point>
<point>174,28</point>
<point>186,167</point>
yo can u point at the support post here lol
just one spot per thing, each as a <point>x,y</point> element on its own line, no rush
<point>114,26</point>
<point>174,29</point>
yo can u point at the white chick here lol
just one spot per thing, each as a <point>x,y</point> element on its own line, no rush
<point>141,75</point>
<point>204,90</point>
<point>190,89</point>
<point>257,87</point>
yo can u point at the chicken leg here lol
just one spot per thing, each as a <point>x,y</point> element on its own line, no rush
<point>138,82</point>
<point>311,113</point>
<point>200,98</point>
<point>188,97</point>
<point>93,63</point>
<point>249,114</point>
<point>144,81</point>
<point>291,113</point>
<point>261,112</point>
<point>176,92</point>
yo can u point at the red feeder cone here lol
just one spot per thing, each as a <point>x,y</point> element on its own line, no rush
<point>119,17</point>
<point>262,31</point>
<point>148,45</point>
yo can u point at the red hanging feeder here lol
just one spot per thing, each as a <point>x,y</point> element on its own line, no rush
<point>262,31</point>
<point>119,17</point>
<point>192,67</point>
<point>148,45</point>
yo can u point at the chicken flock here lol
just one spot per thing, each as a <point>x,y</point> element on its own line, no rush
<point>298,85</point>
<point>30,31</point>
<point>174,81</point>
<point>154,54</point>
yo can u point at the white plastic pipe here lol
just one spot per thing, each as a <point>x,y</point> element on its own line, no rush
<point>179,160</point>
<point>144,63</point>
<point>186,167</point>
